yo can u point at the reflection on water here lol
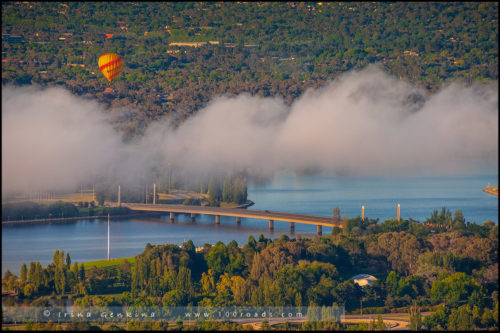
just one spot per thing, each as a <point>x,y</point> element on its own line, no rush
<point>86,239</point>
<point>418,196</point>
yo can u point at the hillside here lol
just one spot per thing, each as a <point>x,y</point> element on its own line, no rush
<point>179,55</point>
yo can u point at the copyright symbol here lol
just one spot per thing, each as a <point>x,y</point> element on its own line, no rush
<point>46,313</point>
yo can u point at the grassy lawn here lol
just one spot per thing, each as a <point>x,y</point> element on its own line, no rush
<point>69,197</point>
<point>110,263</point>
<point>74,197</point>
<point>95,211</point>
<point>181,194</point>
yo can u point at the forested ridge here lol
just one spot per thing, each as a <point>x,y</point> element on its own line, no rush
<point>444,265</point>
<point>264,48</point>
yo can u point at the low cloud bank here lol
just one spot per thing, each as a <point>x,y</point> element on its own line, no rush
<point>363,123</point>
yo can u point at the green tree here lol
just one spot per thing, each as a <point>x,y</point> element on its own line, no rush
<point>160,325</point>
<point>68,261</point>
<point>227,191</point>
<point>217,258</point>
<point>239,190</point>
<point>401,249</point>
<point>175,298</point>
<point>24,273</point>
<point>208,282</point>
<point>380,326</point>
<point>28,290</point>
<point>59,272</point>
<point>236,263</point>
<point>81,273</point>
<point>438,320</point>
<point>461,319</point>
<point>392,282</point>
<point>454,288</point>
<point>214,192</point>
<point>264,326</point>
<point>415,317</point>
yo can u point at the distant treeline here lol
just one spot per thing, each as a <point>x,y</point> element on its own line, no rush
<point>232,189</point>
<point>31,210</point>
<point>227,187</point>
<point>265,49</point>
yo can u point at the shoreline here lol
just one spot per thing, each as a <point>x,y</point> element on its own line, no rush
<point>64,219</point>
<point>493,190</point>
<point>246,204</point>
<point>93,217</point>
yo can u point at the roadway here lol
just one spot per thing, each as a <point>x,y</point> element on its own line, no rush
<point>393,321</point>
<point>238,213</point>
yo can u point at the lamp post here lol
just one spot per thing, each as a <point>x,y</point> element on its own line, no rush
<point>108,236</point>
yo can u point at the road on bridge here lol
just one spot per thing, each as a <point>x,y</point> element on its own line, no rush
<point>239,213</point>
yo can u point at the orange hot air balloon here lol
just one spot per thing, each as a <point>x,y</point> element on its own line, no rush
<point>111,65</point>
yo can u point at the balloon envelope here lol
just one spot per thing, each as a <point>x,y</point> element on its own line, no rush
<point>110,65</point>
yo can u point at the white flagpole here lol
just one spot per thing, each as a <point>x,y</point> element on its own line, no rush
<point>108,236</point>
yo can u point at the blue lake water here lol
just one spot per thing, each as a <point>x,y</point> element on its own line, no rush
<point>86,240</point>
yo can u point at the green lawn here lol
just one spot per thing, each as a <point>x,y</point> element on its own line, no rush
<point>95,211</point>
<point>110,263</point>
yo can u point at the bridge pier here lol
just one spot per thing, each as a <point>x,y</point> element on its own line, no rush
<point>291,218</point>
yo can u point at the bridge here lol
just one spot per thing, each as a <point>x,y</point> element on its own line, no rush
<point>238,213</point>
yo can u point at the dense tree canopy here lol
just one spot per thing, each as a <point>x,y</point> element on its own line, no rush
<point>267,48</point>
<point>439,271</point>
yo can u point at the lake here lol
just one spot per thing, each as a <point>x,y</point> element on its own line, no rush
<point>86,240</point>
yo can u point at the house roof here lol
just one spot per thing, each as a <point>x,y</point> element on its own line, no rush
<point>364,277</point>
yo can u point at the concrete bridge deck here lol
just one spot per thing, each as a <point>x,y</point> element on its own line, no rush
<point>293,218</point>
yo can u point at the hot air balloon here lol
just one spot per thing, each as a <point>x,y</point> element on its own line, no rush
<point>111,65</point>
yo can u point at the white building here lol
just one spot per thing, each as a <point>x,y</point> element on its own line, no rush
<point>363,279</point>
